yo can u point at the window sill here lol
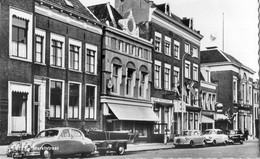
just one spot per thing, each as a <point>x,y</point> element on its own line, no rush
<point>38,63</point>
<point>20,59</point>
<point>94,74</point>
<point>62,68</point>
<point>72,70</point>
<point>74,120</point>
<point>93,120</point>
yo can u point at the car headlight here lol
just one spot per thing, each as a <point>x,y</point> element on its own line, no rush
<point>27,147</point>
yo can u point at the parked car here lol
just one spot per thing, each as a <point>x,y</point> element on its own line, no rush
<point>53,142</point>
<point>190,138</point>
<point>215,136</point>
<point>235,136</point>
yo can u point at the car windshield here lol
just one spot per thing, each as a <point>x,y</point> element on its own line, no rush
<point>48,133</point>
<point>186,133</point>
<point>207,132</point>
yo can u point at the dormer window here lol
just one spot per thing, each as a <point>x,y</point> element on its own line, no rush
<point>167,9</point>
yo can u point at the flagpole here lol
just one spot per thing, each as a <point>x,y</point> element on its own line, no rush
<point>223,32</point>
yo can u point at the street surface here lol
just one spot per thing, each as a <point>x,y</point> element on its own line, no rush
<point>247,150</point>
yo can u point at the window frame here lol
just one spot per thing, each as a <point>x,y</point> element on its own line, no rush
<point>195,73</point>
<point>158,40</point>
<point>95,102</point>
<point>57,38</point>
<point>78,44</point>
<point>187,48</point>
<point>167,50</point>
<point>28,17</point>
<point>95,49</point>
<point>167,67</point>
<point>158,63</point>
<point>188,72</point>
<point>41,33</point>
<point>176,53</point>
<point>62,97</point>
<point>80,98</point>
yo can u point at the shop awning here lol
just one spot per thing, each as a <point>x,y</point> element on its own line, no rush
<point>133,113</point>
<point>205,119</point>
<point>221,117</point>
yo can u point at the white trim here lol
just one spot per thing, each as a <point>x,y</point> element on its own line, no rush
<point>168,39</point>
<point>80,97</point>
<point>28,16</point>
<point>62,97</point>
<point>43,34</point>
<point>24,87</point>
<point>42,84</point>
<point>170,74</point>
<point>61,39</point>
<point>79,44</point>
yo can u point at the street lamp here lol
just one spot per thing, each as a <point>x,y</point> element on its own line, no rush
<point>182,91</point>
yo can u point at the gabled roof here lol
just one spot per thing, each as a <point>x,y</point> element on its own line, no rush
<point>105,12</point>
<point>214,55</point>
<point>77,7</point>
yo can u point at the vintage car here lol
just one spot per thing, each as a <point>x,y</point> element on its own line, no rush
<point>215,136</point>
<point>53,142</point>
<point>189,138</point>
<point>235,136</point>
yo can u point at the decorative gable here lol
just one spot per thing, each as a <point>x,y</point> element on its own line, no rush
<point>129,26</point>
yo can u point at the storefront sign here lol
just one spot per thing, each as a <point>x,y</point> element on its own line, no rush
<point>161,100</point>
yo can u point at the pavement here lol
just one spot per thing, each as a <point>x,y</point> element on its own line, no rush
<point>134,147</point>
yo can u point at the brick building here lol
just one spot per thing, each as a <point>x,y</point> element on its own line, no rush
<point>126,74</point>
<point>235,87</point>
<point>176,63</point>
<point>49,71</point>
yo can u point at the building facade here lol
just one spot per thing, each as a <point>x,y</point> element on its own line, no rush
<point>176,64</point>
<point>49,67</point>
<point>235,84</point>
<point>126,75</point>
<point>208,96</point>
<point>255,131</point>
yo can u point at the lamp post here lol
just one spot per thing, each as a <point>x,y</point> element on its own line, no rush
<point>182,91</point>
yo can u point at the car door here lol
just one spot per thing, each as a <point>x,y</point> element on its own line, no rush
<point>78,142</point>
<point>64,142</point>
<point>196,137</point>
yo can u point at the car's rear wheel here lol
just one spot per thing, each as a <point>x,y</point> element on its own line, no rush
<point>192,144</point>
<point>204,143</point>
<point>241,141</point>
<point>120,149</point>
<point>46,152</point>
<point>225,143</point>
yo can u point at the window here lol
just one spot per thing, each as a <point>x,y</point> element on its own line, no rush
<point>195,72</point>
<point>40,36</point>
<point>195,52</point>
<point>176,49</point>
<point>187,69</point>
<point>176,76</point>
<point>157,41</point>
<point>76,134</point>
<point>120,45</point>
<point>129,81</point>
<point>250,95</point>
<point>133,50</point>
<point>167,46</point>
<point>74,101</point>
<point>139,52</point>
<point>91,59</point>
<point>187,48</point>
<point>191,121</point>
<point>196,121</point>
<point>167,77</point>
<point>157,74</point>
<point>90,108</point>
<point>56,99</point>
<point>20,34</point>
<point>235,90</point>
<point>143,84</point>
<point>116,78</point>
<point>74,55</point>
<point>127,46</point>
<point>57,50</point>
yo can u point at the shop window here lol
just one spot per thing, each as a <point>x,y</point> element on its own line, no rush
<point>90,108</point>
<point>74,101</point>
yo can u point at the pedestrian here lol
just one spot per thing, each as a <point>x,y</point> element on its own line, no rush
<point>246,134</point>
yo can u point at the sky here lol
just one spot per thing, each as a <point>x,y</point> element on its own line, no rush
<point>237,20</point>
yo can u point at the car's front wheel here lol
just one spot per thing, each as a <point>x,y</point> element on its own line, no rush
<point>241,141</point>
<point>46,151</point>
<point>214,143</point>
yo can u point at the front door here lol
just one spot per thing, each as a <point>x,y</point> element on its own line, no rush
<point>39,105</point>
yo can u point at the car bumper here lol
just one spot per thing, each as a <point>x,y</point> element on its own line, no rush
<point>209,141</point>
<point>22,154</point>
